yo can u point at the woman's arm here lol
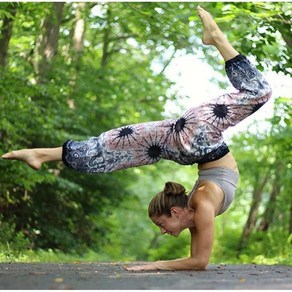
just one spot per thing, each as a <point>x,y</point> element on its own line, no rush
<point>172,265</point>
<point>201,244</point>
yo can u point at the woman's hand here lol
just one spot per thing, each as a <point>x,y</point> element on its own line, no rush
<point>147,267</point>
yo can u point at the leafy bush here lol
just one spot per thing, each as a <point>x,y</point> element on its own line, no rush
<point>12,242</point>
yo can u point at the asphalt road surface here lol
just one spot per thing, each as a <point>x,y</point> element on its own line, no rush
<point>105,276</point>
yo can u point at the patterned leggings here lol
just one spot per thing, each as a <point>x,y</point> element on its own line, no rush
<point>196,137</point>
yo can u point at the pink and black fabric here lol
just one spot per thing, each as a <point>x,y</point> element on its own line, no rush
<point>196,137</point>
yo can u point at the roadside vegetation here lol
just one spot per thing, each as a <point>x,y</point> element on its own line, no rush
<point>74,70</point>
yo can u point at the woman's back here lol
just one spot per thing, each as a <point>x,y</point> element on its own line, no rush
<point>227,161</point>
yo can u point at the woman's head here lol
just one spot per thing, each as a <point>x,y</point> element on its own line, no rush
<point>166,209</point>
<point>173,194</point>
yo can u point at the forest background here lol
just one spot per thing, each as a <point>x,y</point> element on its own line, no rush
<point>73,70</point>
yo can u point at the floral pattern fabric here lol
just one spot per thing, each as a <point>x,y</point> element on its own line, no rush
<point>196,137</point>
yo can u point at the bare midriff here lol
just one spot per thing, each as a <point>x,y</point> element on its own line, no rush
<point>226,161</point>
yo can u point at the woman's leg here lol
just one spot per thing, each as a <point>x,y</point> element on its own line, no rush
<point>194,138</point>
<point>212,35</point>
<point>185,141</point>
<point>35,157</point>
<point>120,148</point>
<point>253,90</point>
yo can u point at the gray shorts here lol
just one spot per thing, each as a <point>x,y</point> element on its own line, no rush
<point>224,178</point>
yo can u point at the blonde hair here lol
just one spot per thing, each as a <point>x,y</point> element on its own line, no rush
<point>174,194</point>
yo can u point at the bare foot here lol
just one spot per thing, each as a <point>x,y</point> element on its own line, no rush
<point>212,34</point>
<point>28,156</point>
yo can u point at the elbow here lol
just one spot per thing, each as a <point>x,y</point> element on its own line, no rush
<point>199,264</point>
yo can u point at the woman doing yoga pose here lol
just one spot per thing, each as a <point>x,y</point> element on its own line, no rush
<point>196,137</point>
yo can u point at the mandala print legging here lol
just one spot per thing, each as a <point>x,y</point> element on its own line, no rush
<point>196,137</point>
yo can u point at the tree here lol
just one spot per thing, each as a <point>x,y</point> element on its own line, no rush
<point>54,207</point>
<point>73,70</point>
<point>47,42</point>
<point>6,32</point>
<point>268,37</point>
<point>266,162</point>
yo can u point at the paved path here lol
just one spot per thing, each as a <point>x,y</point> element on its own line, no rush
<point>112,276</point>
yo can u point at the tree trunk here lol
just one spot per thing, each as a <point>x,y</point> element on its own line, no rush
<point>106,41</point>
<point>47,44</point>
<point>77,41</point>
<point>79,31</point>
<point>6,33</point>
<point>5,36</point>
<point>268,215</point>
<point>251,221</point>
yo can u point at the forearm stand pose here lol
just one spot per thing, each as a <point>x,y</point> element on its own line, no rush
<point>196,137</point>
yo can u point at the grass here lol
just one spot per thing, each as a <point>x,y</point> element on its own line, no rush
<point>47,256</point>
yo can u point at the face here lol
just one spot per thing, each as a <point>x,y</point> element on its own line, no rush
<point>169,225</point>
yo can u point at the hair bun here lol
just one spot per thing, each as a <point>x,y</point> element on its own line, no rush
<point>173,189</point>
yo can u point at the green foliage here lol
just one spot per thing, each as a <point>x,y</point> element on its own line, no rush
<point>12,244</point>
<point>260,29</point>
<point>111,82</point>
<point>261,153</point>
<point>263,248</point>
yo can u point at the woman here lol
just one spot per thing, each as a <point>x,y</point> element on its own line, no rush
<point>196,137</point>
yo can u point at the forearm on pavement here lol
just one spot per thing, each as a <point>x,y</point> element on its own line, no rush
<point>181,264</point>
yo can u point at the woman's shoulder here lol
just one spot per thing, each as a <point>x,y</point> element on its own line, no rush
<point>206,192</point>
